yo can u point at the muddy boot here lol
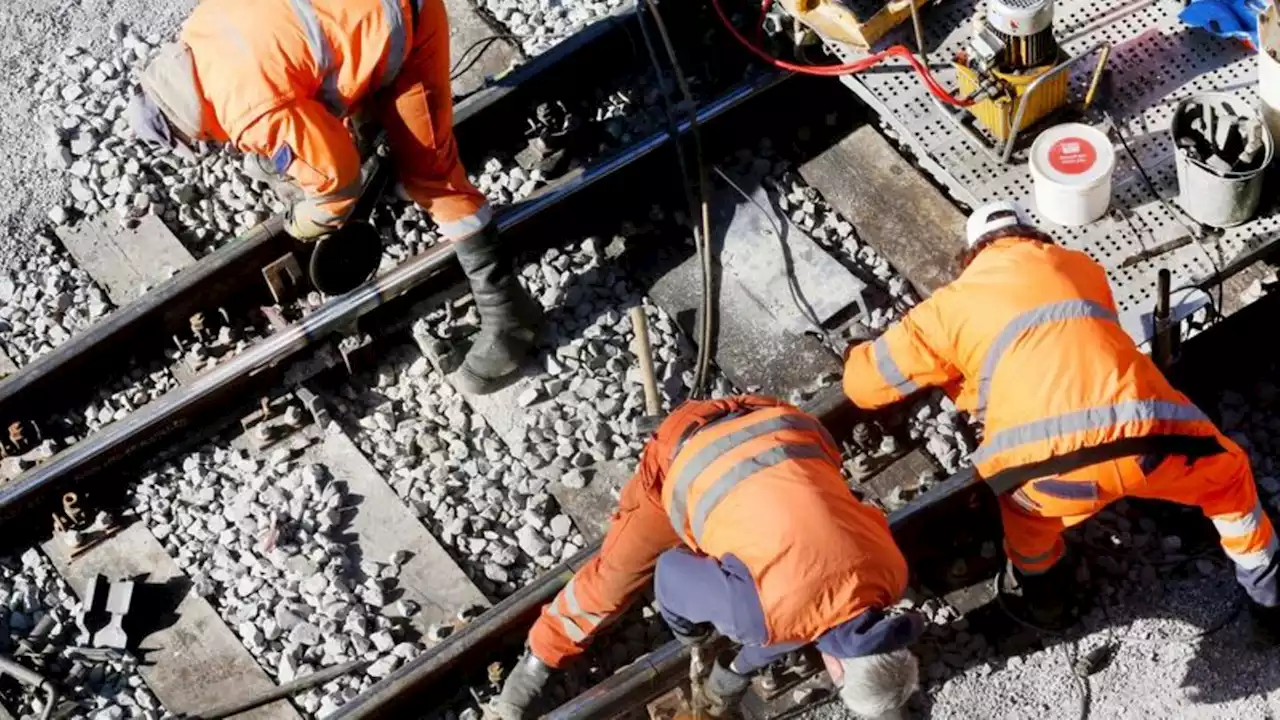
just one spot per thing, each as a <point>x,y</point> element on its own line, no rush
<point>509,318</point>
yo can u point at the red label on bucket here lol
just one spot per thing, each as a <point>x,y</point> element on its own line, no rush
<point>1072,155</point>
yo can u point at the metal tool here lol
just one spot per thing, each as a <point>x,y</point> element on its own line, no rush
<point>27,676</point>
<point>1164,247</point>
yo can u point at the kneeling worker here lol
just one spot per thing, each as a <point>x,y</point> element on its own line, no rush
<point>278,78</point>
<point>1075,416</point>
<point>741,506</point>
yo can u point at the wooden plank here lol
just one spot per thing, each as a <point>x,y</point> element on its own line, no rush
<point>892,206</point>
<point>195,662</point>
<point>121,260</point>
<point>383,525</point>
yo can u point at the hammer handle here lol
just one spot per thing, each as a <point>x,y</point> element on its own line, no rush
<point>652,401</point>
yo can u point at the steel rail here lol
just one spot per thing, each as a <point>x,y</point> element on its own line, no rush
<point>509,621</point>
<point>169,413</point>
<point>662,669</point>
<point>60,375</point>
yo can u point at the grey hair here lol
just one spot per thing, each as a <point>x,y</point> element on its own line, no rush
<point>878,684</point>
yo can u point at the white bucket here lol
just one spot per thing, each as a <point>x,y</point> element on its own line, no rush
<point>1071,165</point>
<point>1269,69</point>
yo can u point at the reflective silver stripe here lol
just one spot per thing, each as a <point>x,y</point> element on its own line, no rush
<point>1256,559</point>
<point>709,454</point>
<point>1082,420</point>
<point>1237,527</point>
<point>321,55</point>
<point>889,369</point>
<point>1053,312</point>
<point>708,501</point>
<point>575,609</point>
<point>463,228</point>
<point>394,12</point>
<point>574,632</point>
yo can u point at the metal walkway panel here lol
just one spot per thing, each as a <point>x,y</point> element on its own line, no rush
<point>1155,63</point>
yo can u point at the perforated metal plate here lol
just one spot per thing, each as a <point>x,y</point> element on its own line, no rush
<point>1155,63</point>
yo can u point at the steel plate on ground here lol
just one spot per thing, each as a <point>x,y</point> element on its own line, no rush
<point>1155,62</point>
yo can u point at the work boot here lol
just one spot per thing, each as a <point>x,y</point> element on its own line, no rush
<point>1042,600</point>
<point>724,690</point>
<point>509,318</point>
<point>522,688</point>
<point>1264,624</point>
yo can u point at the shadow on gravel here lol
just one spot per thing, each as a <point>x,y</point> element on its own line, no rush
<point>1155,597</point>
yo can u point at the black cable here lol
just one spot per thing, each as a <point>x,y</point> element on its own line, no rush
<point>793,285</point>
<point>487,42</point>
<point>1114,640</point>
<point>1178,214</point>
<point>702,227</point>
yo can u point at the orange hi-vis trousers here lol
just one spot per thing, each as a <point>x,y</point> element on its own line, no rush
<point>1221,485</point>
<point>639,532</point>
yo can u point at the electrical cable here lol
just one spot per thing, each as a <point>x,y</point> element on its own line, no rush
<point>1193,227</point>
<point>856,66</point>
<point>702,230</point>
<point>487,42</point>
<point>793,285</point>
<point>1081,671</point>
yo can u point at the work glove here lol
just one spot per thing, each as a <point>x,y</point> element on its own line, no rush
<point>724,689</point>
<point>301,228</point>
<point>522,688</point>
<point>858,334</point>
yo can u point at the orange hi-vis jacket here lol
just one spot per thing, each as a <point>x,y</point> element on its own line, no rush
<point>1027,340</point>
<point>278,77</point>
<point>765,486</point>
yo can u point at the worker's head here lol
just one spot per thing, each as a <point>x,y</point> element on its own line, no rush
<point>994,221</point>
<point>874,686</point>
<point>168,111</point>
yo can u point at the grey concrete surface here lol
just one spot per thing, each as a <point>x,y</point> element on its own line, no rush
<point>34,33</point>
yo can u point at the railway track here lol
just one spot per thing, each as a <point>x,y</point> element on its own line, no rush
<point>391,510</point>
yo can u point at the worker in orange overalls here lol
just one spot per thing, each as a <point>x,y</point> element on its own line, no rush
<point>277,79</point>
<point>1075,416</point>
<point>740,507</point>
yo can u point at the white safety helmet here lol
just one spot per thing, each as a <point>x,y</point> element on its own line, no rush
<point>991,217</point>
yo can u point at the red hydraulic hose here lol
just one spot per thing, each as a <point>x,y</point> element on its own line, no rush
<point>847,68</point>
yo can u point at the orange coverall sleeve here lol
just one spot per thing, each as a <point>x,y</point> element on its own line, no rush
<point>639,532</point>
<point>306,142</point>
<point>910,355</point>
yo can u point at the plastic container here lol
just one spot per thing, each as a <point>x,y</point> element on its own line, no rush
<point>1217,198</point>
<point>1269,69</point>
<point>1071,165</point>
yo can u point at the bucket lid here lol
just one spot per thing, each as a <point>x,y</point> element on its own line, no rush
<point>1073,154</point>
